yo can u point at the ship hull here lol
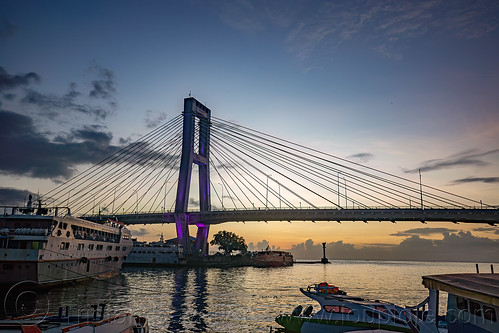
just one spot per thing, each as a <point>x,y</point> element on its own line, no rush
<point>51,251</point>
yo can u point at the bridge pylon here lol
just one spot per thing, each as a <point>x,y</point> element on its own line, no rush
<point>197,122</point>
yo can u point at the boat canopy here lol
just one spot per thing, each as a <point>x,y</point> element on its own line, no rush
<point>480,287</point>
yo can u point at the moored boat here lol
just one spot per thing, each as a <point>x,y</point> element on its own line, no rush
<point>472,305</point>
<point>49,246</point>
<point>50,323</point>
<point>160,253</point>
<point>273,259</point>
<point>340,312</point>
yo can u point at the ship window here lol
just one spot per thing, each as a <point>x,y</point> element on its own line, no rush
<point>35,245</point>
<point>13,244</point>
<point>64,226</point>
<point>376,315</point>
<point>489,313</point>
<point>124,248</point>
<point>338,309</point>
<point>23,245</point>
<point>90,246</point>
<point>109,248</point>
<point>99,247</point>
<point>475,309</point>
<point>462,304</point>
<point>64,246</point>
<point>81,246</point>
<point>59,232</point>
<point>117,248</point>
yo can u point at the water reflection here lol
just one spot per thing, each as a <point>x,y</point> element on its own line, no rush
<point>200,299</point>
<point>178,300</point>
<point>230,299</point>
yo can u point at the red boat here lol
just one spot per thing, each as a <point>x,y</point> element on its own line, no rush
<point>273,259</point>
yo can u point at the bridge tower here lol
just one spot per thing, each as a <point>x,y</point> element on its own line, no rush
<point>197,122</point>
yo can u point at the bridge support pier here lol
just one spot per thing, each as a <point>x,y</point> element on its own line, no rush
<point>193,110</point>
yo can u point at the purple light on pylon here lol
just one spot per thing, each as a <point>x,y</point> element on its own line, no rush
<point>200,225</point>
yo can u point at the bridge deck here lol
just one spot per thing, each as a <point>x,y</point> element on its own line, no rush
<point>489,216</point>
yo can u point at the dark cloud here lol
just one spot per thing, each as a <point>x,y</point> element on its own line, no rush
<point>489,229</point>
<point>103,88</point>
<point>488,180</point>
<point>13,196</point>
<point>423,231</point>
<point>34,155</point>
<point>469,158</point>
<point>153,119</point>
<point>9,97</point>
<point>140,232</point>
<point>7,29</point>
<point>143,153</point>
<point>459,246</point>
<point>362,157</point>
<point>53,104</point>
<point>193,202</point>
<point>8,81</point>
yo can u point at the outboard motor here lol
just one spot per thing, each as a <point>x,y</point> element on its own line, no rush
<point>308,311</point>
<point>297,311</point>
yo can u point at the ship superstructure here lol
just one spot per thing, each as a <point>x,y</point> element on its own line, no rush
<point>50,246</point>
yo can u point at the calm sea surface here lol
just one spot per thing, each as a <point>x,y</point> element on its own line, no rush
<point>243,299</point>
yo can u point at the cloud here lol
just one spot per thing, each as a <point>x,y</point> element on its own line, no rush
<point>458,246</point>
<point>34,155</point>
<point>140,232</point>
<point>262,245</point>
<point>8,81</point>
<point>489,229</point>
<point>422,231</point>
<point>488,180</point>
<point>51,103</point>
<point>468,158</point>
<point>143,153</point>
<point>105,87</point>
<point>193,202</point>
<point>13,196</point>
<point>153,119</point>
<point>7,29</point>
<point>362,157</point>
<point>384,27</point>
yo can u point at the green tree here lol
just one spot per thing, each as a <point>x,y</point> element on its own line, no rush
<point>228,242</point>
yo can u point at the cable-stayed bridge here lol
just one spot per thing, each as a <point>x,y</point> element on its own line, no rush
<point>241,174</point>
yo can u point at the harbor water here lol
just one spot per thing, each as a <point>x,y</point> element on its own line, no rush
<point>240,299</point>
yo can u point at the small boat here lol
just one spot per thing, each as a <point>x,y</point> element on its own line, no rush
<point>340,312</point>
<point>50,323</point>
<point>472,303</point>
<point>160,253</point>
<point>272,259</point>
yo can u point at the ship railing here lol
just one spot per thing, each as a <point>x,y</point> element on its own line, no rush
<point>420,309</point>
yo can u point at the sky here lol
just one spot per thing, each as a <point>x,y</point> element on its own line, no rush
<point>397,85</point>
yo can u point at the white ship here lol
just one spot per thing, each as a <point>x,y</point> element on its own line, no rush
<point>159,253</point>
<point>45,246</point>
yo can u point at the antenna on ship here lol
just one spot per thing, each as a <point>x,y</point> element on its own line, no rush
<point>161,239</point>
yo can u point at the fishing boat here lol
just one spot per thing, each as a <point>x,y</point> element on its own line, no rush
<point>340,312</point>
<point>49,246</point>
<point>272,258</point>
<point>66,323</point>
<point>158,253</point>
